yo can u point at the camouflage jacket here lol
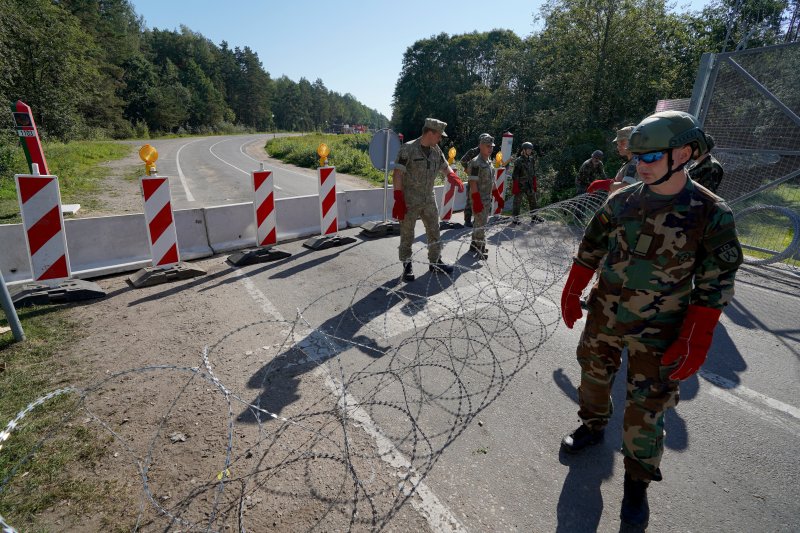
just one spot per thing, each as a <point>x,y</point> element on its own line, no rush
<point>588,173</point>
<point>469,156</point>
<point>707,173</point>
<point>524,170</point>
<point>627,174</point>
<point>661,253</point>
<point>420,168</point>
<point>481,171</point>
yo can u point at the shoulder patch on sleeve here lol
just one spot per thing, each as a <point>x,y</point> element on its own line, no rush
<point>729,254</point>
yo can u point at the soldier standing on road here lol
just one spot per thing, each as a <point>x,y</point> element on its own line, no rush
<point>591,169</point>
<point>471,153</point>
<point>668,252</point>
<point>707,171</point>
<point>482,189</point>
<point>523,180</point>
<point>416,167</point>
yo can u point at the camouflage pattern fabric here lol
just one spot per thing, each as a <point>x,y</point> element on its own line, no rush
<point>707,173</point>
<point>471,153</point>
<point>655,255</point>
<point>588,173</point>
<point>524,172</point>
<point>627,174</point>
<point>481,172</point>
<point>420,165</point>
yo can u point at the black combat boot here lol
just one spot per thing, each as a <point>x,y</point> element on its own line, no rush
<point>581,438</point>
<point>484,252</point>
<point>408,272</point>
<point>475,247</point>
<point>437,267</point>
<point>635,510</point>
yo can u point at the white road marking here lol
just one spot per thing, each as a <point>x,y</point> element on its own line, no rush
<point>438,516</point>
<point>751,401</point>
<point>232,165</point>
<point>186,190</point>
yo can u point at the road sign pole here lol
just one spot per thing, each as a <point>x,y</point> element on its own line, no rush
<point>382,150</point>
<point>11,312</point>
<point>386,180</point>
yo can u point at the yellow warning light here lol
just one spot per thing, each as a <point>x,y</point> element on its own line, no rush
<point>451,155</point>
<point>323,151</point>
<point>149,155</point>
<point>498,159</point>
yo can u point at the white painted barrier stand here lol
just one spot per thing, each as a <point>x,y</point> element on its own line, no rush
<point>328,213</point>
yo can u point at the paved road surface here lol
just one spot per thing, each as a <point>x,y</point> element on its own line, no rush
<point>731,446</point>
<point>216,170</point>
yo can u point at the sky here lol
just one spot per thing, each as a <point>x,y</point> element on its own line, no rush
<point>354,46</point>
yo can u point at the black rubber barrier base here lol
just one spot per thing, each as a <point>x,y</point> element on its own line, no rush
<point>147,277</point>
<point>256,255</point>
<point>323,242</point>
<point>71,290</point>
<point>446,224</point>
<point>380,228</point>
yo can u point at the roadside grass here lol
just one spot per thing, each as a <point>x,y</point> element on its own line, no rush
<point>77,165</point>
<point>53,453</point>
<point>348,153</point>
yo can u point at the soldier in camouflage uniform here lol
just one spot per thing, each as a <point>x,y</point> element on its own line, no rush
<point>523,180</point>
<point>626,175</point>
<point>591,169</point>
<point>471,153</point>
<point>481,190</point>
<point>667,254</point>
<point>707,171</point>
<point>416,167</point>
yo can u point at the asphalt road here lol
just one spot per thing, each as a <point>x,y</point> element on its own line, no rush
<point>216,170</point>
<point>484,425</point>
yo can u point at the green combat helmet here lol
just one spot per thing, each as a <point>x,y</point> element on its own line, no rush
<point>666,130</point>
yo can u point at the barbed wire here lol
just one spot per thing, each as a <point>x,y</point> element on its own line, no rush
<point>421,361</point>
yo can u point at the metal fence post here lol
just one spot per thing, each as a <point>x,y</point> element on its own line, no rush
<point>11,312</point>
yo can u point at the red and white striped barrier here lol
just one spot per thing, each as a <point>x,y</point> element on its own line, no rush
<point>448,199</point>
<point>327,200</point>
<point>160,223</point>
<point>40,204</point>
<point>500,185</point>
<point>264,206</point>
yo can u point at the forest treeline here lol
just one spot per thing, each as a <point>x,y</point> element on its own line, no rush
<point>592,67</point>
<point>91,68</point>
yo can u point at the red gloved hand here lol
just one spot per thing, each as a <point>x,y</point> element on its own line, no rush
<point>477,204</point>
<point>599,185</point>
<point>500,202</point>
<point>535,185</point>
<point>453,178</point>
<point>399,209</point>
<point>579,278</point>
<point>515,187</point>
<point>694,341</point>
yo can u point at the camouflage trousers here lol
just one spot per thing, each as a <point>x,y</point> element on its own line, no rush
<point>529,195</point>
<point>479,223</point>
<point>429,214</point>
<point>650,393</point>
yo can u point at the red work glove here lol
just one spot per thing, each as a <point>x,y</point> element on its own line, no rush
<point>500,202</point>
<point>477,205</point>
<point>535,185</point>
<point>399,209</point>
<point>579,278</point>
<point>599,185</point>
<point>453,178</point>
<point>694,341</point>
<point>515,190</point>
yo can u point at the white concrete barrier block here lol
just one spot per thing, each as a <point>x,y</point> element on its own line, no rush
<point>231,227</point>
<point>192,237</point>
<point>14,261</point>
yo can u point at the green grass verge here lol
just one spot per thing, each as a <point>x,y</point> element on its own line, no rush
<point>349,153</point>
<point>768,229</point>
<point>77,165</point>
<point>58,475</point>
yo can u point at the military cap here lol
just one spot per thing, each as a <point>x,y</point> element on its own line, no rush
<point>598,154</point>
<point>487,139</point>
<point>623,133</point>
<point>436,125</point>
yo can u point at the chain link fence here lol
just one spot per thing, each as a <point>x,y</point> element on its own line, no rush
<point>749,102</point>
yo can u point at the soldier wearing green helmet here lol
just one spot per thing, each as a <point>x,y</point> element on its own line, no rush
<point>523,180</point>
<point>667,252</point>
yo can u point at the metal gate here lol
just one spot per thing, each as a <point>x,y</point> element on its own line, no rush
<point>749,101</point>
